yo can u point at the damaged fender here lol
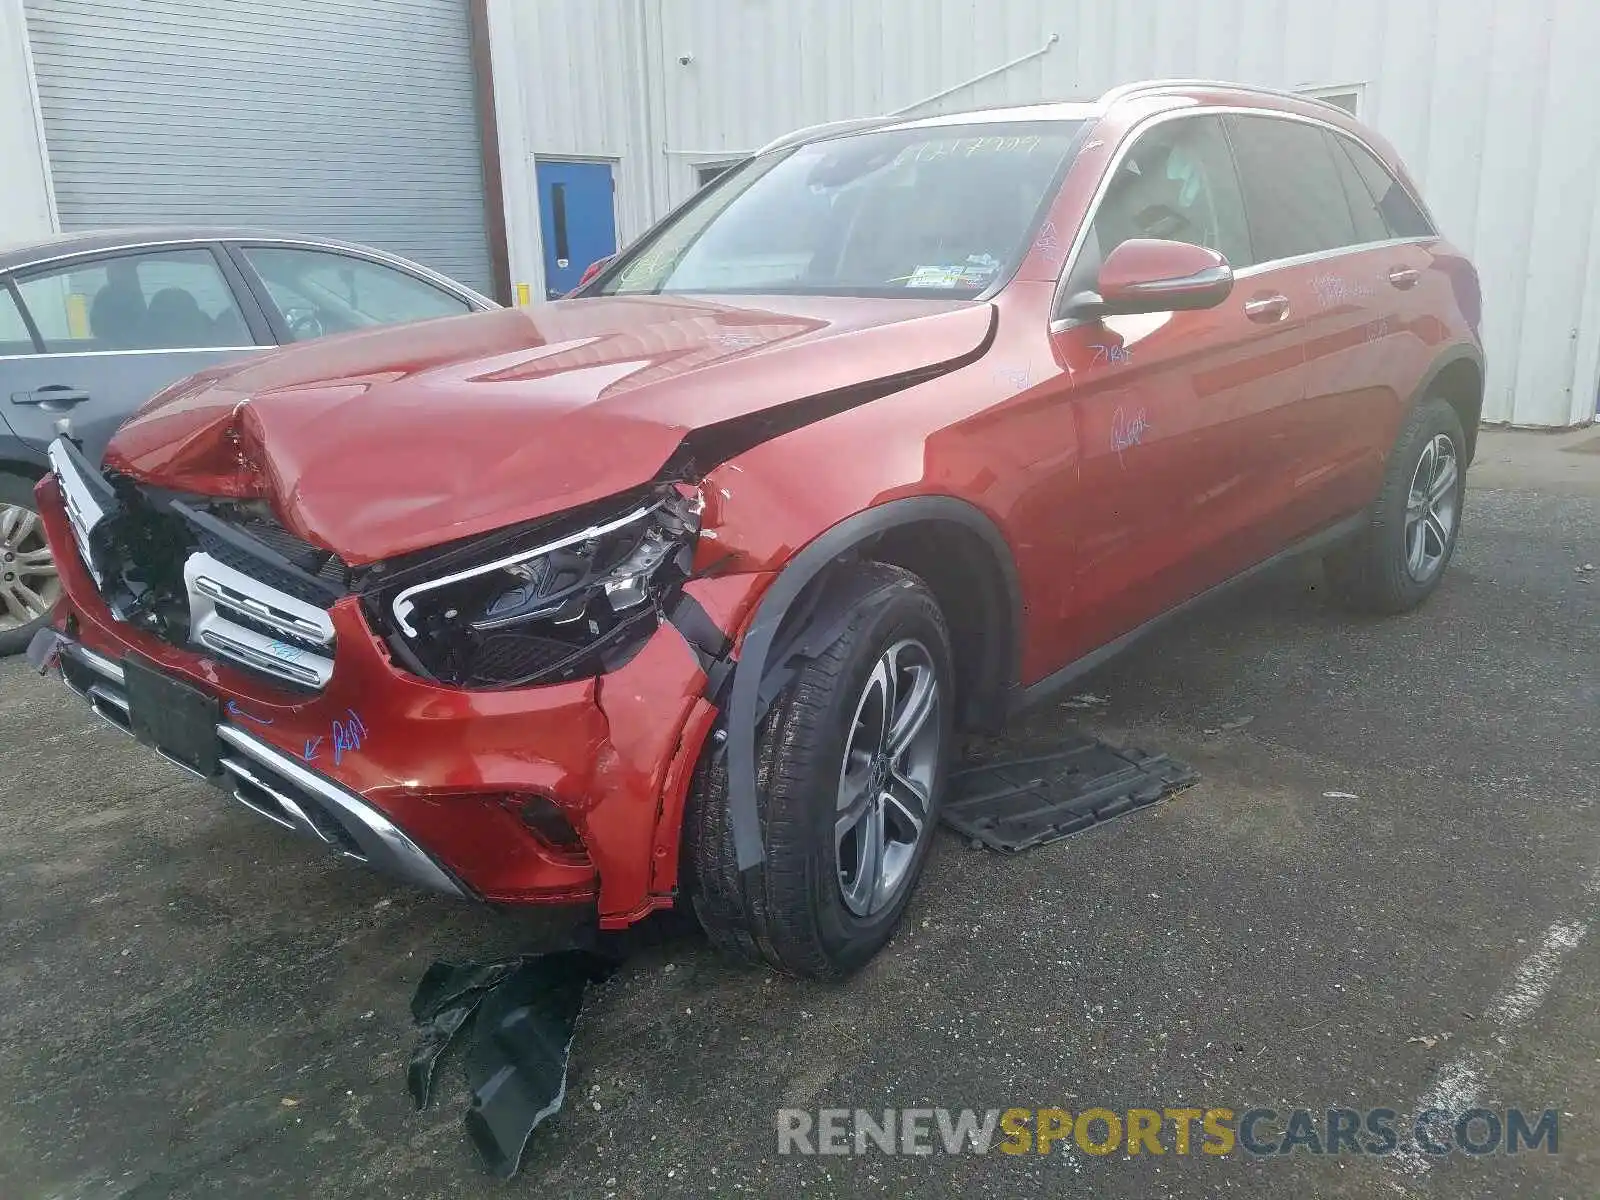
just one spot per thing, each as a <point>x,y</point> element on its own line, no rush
<point>752,687</point>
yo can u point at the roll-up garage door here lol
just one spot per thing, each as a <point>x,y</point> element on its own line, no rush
<point>346,118</point>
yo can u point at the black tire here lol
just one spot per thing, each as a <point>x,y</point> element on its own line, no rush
<point>1373,572</point>
<point>17,491</point>
<point>790,911</point>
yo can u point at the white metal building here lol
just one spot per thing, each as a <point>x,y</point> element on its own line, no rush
<point>1491,102</point>
<point>358,117</point>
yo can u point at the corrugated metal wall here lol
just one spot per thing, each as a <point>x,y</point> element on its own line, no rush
<point>346,118</point>
<point>1491,102</point>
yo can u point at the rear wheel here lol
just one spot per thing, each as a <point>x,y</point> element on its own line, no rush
<point>29,587</point>
<point>1397,561</point>
<point>851,765</point>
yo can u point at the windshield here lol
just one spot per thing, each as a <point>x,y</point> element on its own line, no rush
<point>945,210</point>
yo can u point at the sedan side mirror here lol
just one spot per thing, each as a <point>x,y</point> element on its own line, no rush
<point>1144,275</point>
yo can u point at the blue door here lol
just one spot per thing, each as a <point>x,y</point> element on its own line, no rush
<point>577,220</point>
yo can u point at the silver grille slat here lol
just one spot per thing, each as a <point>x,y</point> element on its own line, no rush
<point>220,596</point>
<point>230,645</point>
<point>84,511</point>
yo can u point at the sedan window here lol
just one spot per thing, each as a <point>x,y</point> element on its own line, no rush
<point>319,291</point>
<point>155,300</point>
<point>932,210</point>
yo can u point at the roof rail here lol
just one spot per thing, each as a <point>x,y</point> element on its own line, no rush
<point>812,133</point>
<point>1157,86</point>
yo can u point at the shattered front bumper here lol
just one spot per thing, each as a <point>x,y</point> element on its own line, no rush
<point>436,785</point>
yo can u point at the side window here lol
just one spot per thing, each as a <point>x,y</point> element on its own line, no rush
<point>1178,183</point>
<point>156,300</point>
<point>1369,222</point>
<point>14,335</point>
<point>320,291</point>
<point>1292,189</point>
<point>1401,216</point>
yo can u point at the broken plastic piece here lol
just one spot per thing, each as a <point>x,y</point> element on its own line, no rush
<point>446,997</point>
<point>44,649</point>
<point>526,1009</point>
<point>517,1063</point>
<point>1015,804</point>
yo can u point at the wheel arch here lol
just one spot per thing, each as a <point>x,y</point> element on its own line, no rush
<point>1457,377</point>
<point>974,572</point>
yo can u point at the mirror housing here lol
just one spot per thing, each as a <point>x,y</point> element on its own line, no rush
<point>1145,275</point>
<point>594,269</point>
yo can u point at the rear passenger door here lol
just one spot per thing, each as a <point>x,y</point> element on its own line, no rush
<point>111,330</point>
<point>1320,242</point>
<point>1400,248</point>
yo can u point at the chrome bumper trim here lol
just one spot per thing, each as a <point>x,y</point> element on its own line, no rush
<point>380,843</point>
<point>273,785</point>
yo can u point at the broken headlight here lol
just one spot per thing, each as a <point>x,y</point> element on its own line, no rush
<point>572,604</point>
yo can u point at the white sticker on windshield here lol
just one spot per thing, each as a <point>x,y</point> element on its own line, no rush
<point>940,277</point>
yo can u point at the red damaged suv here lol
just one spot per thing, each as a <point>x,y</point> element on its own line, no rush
<point>677,589</point>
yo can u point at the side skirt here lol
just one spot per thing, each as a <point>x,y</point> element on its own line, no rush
<point>1024,698</point>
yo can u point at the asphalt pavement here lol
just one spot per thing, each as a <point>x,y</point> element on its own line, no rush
<point>193,1005</point>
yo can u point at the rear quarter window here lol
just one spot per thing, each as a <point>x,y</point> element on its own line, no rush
<point>1401,215</point>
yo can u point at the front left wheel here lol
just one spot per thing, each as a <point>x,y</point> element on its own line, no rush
<point>851,763</point>
<point>29,587</point>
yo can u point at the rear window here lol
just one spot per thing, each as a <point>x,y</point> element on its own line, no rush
<point>939,211</point>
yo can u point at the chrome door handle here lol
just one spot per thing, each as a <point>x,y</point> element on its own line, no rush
<point>1404,277</point>
<point>51,393</point>
<point>1266,308</point>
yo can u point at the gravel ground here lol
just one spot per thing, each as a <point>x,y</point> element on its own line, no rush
<point>193,1006</point>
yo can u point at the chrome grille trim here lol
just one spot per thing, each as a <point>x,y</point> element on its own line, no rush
<point>314,671</point>
<point>217,593</point>
<point>84,511</point>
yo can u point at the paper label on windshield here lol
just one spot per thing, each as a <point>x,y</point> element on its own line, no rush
<point>940,277</point>
<point>976,272</point>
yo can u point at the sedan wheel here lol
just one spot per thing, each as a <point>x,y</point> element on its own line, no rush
<point>29,586</point>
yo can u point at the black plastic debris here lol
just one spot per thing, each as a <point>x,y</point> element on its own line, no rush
<point>522,1013</point>
<point>1018,803</point>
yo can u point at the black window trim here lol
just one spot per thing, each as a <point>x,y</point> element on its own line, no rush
<point>1080,236</point>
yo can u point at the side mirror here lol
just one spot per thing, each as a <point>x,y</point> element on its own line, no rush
<point>1144,275</point>
<point>594,269</point>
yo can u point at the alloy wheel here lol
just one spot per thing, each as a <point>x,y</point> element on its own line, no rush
<point>1432,508</point>
<point>29,586</point>
<point>886,781</point>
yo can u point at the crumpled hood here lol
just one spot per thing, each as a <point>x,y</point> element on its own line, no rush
<point>378,443</point>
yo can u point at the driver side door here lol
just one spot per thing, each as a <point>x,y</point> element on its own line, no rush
<point>1178,413</point>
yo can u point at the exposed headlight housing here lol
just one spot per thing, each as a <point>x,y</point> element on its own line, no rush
<point>567,603</point>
